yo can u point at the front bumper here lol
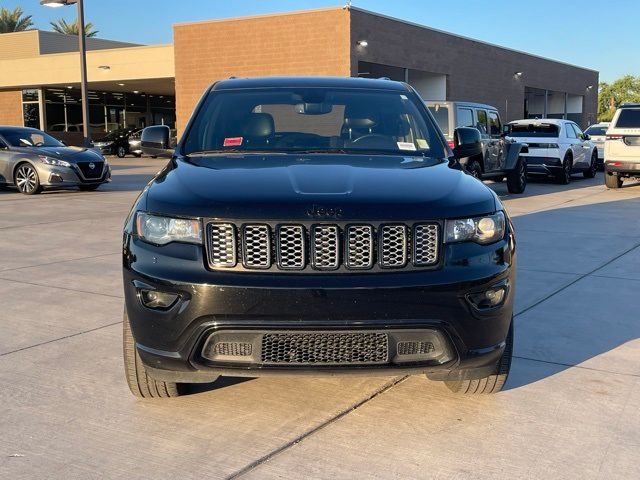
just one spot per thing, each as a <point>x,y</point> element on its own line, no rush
<point>426,304</point>
<point>54,176</point>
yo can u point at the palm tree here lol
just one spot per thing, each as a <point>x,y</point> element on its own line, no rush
<point>61,26</point>
<point>14,21</point>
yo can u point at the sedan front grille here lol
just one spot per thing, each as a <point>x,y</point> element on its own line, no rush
<point>91,173</point>
<point>321,247</point>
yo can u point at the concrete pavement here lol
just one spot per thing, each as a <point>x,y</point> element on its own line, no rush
<point>571,408</point>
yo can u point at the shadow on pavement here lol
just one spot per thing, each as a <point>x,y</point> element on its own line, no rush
<point>591,316</point>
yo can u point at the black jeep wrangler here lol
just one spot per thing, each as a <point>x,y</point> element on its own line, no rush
<point>316,226</point>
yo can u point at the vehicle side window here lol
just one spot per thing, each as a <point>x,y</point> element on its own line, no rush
<point>465,118</point>
<point>579,133</point>
<point>482,122</point>
<point>494,124</point>
<point>569,131</point>
<point>2,145</point>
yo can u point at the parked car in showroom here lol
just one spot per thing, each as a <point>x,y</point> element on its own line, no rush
<point>598,134</point>
<point>316,226</point>
<point>135,146</point>
<point>114,143</point>
<point>32,160</point>
<point>557,148</point>
<point>622,146</point>
<point>500,157</point>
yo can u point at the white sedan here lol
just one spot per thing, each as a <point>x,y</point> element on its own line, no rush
<point>556,147</point>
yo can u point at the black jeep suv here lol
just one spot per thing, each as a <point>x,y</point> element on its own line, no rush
<point>316,226</point>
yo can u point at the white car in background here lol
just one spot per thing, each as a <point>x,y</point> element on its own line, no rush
<point>556,147</point>
<point>598,134</point>
<point>622,146</point>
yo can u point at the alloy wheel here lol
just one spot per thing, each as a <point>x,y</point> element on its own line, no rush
<point>26,179</point>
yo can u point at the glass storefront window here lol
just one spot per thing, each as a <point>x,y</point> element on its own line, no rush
<point>108,111</point>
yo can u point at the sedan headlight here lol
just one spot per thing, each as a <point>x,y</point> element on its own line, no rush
<point>163,230</point>
<point>53,161</point>
<point>483,230</point>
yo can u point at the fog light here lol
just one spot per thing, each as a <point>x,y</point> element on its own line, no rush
<point>489,298</point>
<point>157,300</point>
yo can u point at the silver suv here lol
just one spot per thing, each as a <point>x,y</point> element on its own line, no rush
<point>622,146</point>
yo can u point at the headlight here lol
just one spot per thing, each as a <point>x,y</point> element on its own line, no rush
<point>53,161</point>
<point>481,230</point>
<point>163,230</point>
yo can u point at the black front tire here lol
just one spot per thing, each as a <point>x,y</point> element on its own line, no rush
<point>139,381</point>
<point>612,181</point>
<point>492,383</point>
<point>26,179</point>
<point>121,152</point>
<point>591,171</point>
<point>564,177</point>
<point>517,178</point>
<point>474,168</point>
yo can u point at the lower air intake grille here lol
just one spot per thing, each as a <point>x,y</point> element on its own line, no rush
<point>325,348</point>
<point>233,349</point>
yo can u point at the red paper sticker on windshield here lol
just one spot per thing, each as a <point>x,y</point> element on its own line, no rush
<point>232,142</point>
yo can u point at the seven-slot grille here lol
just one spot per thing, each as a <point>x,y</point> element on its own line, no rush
<point>298,247</point>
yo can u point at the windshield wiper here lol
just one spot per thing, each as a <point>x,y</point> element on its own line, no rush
<point>204,153</point>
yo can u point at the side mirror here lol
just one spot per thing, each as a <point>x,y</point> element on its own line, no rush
<point>467,142</point>
<point>155,141</point>
<point>586,136</point>
<point>506,129</point>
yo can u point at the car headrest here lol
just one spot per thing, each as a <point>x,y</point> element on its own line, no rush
<point>350,122</point>
<point>259,125</point>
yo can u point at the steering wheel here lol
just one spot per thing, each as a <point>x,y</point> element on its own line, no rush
<point>374,140</point>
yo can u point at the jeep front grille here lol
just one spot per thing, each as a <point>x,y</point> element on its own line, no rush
<point>320,247</point>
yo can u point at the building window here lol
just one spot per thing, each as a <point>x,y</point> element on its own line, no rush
<point>31,108</point>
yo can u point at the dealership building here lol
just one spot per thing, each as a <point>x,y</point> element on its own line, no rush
<point>138,85</point>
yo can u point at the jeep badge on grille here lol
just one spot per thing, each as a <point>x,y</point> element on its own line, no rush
<point>324,212</point>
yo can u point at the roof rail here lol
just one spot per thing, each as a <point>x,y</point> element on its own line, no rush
<point>630,104</point>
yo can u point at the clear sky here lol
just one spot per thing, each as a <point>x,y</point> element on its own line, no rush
<point>602,35</point>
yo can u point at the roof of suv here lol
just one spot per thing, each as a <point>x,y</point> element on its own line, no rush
<point>460,103</point>
<point>548,121</point>
<point>300,82</point>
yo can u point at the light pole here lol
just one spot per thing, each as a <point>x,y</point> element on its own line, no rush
<point>86,140</point>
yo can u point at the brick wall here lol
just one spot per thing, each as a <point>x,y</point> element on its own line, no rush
<point>303,43</point>
<point>475,71</point>
<point>11,107</point>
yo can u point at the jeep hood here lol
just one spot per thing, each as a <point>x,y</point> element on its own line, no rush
<point>273,187</point>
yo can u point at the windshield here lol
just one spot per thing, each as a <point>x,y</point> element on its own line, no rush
<point>312,120</point>
<point>533,130</point>
<point>441,114</point>
<point>597,131</point>
<point>26,137</point>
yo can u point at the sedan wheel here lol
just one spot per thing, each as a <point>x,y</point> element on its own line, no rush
<point>121,152</point>
<point>26,179</point>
